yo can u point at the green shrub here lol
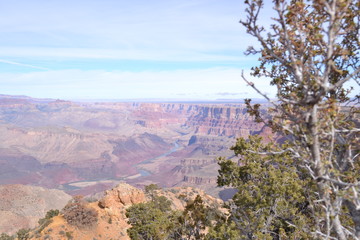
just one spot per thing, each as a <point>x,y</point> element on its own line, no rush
<point>150,188</point>
<point>23,234</point>
<point>69,235</point>
<point>4,236</point>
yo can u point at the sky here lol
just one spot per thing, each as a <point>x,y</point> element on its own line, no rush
<point>117,49</point>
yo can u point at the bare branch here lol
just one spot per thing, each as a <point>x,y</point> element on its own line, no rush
<point>251,84</point>
<point>341,82</point>
<point>296,154</point>
<point>347,130</point>
<point>338,182</point>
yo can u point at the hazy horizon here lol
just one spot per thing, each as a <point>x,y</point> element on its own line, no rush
<point>145,100</point>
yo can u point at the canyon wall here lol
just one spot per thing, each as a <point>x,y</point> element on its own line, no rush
<point>85,147</point>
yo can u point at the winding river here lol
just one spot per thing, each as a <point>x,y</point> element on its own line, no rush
<point>141,171</point>
<point>145,173</point>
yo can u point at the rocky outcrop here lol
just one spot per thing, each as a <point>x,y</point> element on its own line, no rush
<point>180,196</point>
<point>22,205</point>
<point>121,196</point>
<point>111,220</point>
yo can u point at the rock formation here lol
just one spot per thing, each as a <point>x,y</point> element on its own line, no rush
<point>121,196</point>
<point>111,219</point>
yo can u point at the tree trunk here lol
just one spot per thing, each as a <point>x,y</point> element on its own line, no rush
<point>355,214</point>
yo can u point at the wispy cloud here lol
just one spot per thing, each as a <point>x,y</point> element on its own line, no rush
<point>117,54</point>
<point>191,48</point>
<point>166,30</point>
<point>22,64</point>
<point>72,84</point>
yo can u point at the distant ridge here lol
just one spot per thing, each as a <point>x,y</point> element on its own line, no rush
<point>144,100</point>
<point>30,99</point>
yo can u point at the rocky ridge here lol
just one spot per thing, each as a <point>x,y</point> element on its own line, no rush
<point>111,220</point>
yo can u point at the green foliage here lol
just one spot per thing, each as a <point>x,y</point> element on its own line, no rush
<point>4,236</point>
<point>224,230</point>
<point>44,222</point>
<point>23,234</point>
<point>272,191</point>
<point>151,220</point>
<point>52,213</point>
<point>310,50</point>
<point>156,220</point>
<point>162,203</point>
<point>150,188</point>
<point>69,235</point>
<point>196,218</point>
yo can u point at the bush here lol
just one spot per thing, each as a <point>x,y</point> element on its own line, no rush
<point>52,213</point>
<point>78,214</point>
<point>23,234</point>
<point>4,236</point>
<point>152,220</point>
<point>69,235</point>
<point>44,222</point>
<point>150,188</point>
<point>49,215</point>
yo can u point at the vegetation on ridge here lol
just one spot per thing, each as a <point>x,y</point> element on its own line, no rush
<point>78,214</point>
<point>157,220</point>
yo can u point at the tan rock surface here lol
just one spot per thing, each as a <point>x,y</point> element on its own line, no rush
<point>121,196</point>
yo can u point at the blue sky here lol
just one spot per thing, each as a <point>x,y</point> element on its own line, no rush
<point>116,49</point>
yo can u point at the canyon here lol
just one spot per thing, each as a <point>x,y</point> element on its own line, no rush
<point>87,147</point>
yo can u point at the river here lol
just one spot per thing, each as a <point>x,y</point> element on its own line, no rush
<point>145,173</point>
<point>141,171</point>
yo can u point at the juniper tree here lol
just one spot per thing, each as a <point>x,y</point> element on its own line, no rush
<point>271,202</point>
<point>311,55</point>
<point>154,219</point>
